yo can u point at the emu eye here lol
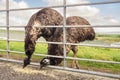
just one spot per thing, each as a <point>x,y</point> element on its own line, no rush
<point>46,61</point>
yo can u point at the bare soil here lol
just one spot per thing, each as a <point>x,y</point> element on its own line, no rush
<point>14,71</point>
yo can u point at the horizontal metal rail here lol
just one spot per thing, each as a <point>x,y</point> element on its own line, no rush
<point>61,6</point>
<point>3,10</point>
<point>93,45</point>
<point>81,59</point>
<point>94,26</point>
<point>94,60</point>
<point>2,26</point>
<point>94,3</point>
<point>3,38</point>
<point>88,72</point>
<point>36,54</point>
<point>70,69</point>
<point>2,50</point>
<point>20,9</point>
<point>15,40</point>
<point>77,44</point>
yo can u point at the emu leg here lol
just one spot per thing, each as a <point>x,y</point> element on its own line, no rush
<point>29,49</point>
<point>75,62</point>
<point>77,65</point>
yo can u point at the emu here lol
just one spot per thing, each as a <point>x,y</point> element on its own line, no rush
<point>35,29</point>
<point>73,35</point>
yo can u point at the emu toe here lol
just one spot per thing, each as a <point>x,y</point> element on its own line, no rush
<point>77,66</point>
<point>26,62</point>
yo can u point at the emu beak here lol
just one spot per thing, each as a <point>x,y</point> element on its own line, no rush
<point>26,62</point>
<point>41,66</point>
<point>24,65</point>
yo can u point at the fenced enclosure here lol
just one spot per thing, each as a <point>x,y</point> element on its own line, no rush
<point>8,40</point>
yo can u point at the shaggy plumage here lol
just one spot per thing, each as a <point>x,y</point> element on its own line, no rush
<point>35,29</point>
<point>73,35</point>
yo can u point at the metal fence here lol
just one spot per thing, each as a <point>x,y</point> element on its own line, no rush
<point>64,6</point>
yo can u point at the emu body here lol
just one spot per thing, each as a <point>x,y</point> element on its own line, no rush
<point>73,35</point>
<point>49,17</point>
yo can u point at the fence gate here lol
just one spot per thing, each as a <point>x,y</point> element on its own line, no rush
<point>64,6</point>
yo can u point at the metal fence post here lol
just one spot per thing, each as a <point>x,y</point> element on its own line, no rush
<point>7,28</point>
<point>64,33</point>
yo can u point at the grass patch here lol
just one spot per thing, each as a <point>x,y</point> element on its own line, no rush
<point>2,44</point>
<point>83,52</point>
<point>108,38</point>
<point>103,67</point>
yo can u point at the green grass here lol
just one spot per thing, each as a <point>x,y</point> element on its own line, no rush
<point>109,38</point>
<point>109,54</point>
<point>83,52</point>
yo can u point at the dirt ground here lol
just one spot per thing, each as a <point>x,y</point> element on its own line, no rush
<point>14,71</point>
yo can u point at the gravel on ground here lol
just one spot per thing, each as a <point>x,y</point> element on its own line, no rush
<point>14,71</point>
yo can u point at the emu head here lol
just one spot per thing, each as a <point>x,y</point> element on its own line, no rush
<point>50,61</point>
<point>44,62</point>
<point>55,50</point>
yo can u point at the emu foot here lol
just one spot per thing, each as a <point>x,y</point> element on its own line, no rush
<point>75,66</point>
<point>26,62</point>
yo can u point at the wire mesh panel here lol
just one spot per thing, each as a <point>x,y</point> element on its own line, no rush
<point>17,54</point>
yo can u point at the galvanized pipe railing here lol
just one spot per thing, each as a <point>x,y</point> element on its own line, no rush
<point>67,5</point>
<point>114,76</point>
<point>80,44</point>
<point>7,28</point>
<point>64,34</point>
<point>94,26</point>
<point>64,6</point>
